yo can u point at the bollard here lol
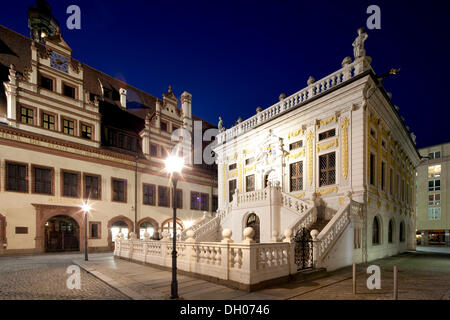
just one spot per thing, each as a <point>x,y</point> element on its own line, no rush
<point>354,278</point>
<point>395,283</point>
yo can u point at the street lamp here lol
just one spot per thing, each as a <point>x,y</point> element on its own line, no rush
<point>86,208</point>
<point>174,165</point>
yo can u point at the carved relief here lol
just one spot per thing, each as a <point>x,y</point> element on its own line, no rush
<point>333,143</point>
<point>344,126</point>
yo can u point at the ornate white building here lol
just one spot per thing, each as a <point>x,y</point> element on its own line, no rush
<point>334,157</point>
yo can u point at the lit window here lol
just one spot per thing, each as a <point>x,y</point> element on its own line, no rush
<point>86,131</point>
<point>26,115</point>
<point>68,127</point>
<point>434,171</point>
<point>48,121</point>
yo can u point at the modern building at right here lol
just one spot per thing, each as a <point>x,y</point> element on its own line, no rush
<point>433,196</point>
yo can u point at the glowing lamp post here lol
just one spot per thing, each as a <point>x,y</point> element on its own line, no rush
<point>174,165</point>
<point>86,208</point>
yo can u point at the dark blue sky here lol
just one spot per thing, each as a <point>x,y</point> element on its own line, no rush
<point>235,56</point>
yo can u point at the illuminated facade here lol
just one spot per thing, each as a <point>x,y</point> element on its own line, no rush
<point>70,134</point>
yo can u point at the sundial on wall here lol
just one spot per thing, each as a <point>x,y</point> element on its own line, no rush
<point>59,62</point>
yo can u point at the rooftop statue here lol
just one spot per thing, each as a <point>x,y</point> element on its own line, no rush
<point>358,44</point>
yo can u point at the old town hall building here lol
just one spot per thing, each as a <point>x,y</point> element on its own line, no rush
<point>70,134</point>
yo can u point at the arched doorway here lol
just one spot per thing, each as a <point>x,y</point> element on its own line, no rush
<point>167,226</point>
<point>148,225</point>
<point>62,233</point>
<point>253,222</point>
<point>271,176</point>
<point>116,225</point>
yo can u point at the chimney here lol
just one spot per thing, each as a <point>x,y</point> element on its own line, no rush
<point>123,98</point>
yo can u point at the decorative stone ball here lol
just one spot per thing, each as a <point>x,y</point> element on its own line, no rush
<point>346,61</point>
<point>249,233</point>
<point>190,233</point>
<point>288,233</point>
<point>311,80</point>
<point>258,110</point>
<point>146,235</point>
<point>314,234</point>
<point>227,233</point>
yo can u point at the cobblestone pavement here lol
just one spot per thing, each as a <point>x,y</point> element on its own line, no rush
<point>44,277</point>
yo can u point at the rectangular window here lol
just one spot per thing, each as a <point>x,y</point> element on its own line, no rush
<point>42,180</point>
<point>69,91</point>
<point>204,202</point>
<point>48,121</point>
<point>434,199</point>
<point>250,183</point>
<point>327,165</point>
<point>296,176</point>
<point>195,200</point>
<point>434,171</point>
<point>149,194</point>
<point>21,230</point>
<point>26,115</point>
<point>327,134</point>
<point>86,131</point>
<point>179,198</point>
<point>434,213</point>
<point>163,153</point>
<point>163,196</point>
<point>46,83</point>
<point>434,155</point>
<point>391,181</point>
<point>119,188</point>
<point>68,127</point>
<point>17,177</point>
<point>231,189</point>
<point>403,189</point>
<point>92,187</point>
<point>71,183</point>
<point>164,126</point>
<point>296,145</point>
<point>153,150</point>
<point>232,166</point>
<point>95,228</point>
<point>372,166</point>
<point>249,161</point>
<point>383,176</point>
<point>434,185</point>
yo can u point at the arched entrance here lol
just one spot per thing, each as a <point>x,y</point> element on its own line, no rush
<point>271,176</point>
<point>167,226</point>
<point>116,225</point>
<point>253,221</point>
<point>62,233</point>
<point>148,225</point>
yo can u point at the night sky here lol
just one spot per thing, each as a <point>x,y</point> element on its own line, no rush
<point>236,56</point>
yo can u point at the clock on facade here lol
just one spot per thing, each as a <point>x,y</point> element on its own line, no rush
<point>59,62</point>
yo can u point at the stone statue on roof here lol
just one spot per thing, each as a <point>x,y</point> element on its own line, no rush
<point>220,125</point>
<point>358,44</point>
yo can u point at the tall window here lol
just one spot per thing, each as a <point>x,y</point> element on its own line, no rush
<point>119,190</point>
<point>215,203</point>
<point>199,201</point>
<point>163,196</point>
<point>391,231</point>
<point>92,187</point>
<point>48,121</point>
<point>296,176</point>
<point>153,150</point>
<point>68,127</point>
<point>231,189</point>
<point>327,164</point>
<point>383,176</point>
<point>327,134</point>
<point>164,126</point>
<point>149,194</point>
<point>372,166</point>
<point>42,180</point>
<point>17,177</point>
<point>250,183</point>
<point>70,184</point>
<point>179,198</point>
<point>26,115</point>
<point>376,231</point>
<point>86,131</point>
<point>401,234</point>
<point>391,181</point>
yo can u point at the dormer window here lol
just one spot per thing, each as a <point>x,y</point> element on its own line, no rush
<point>107,93</point>
<point>47,83</point>
<point>69,91</point>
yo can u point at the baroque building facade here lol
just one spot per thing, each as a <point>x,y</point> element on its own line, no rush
<point>70,134</point>
<point>335,158</point>
<point>433,174</point>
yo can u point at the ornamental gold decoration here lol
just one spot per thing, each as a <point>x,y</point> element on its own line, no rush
<point>301,195</point>
<point>250,168</point>
<point>344,126</point>
<point>328,145</point>
<point>327,191</point>
<point>326,121</point>
<point>295,133</point>
<point>294,156</point>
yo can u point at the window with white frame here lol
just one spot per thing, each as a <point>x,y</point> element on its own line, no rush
<point>434,171</point>
<point>434,213</point>
<point>434,199</point>
<point>434,155</point>
<point>434,185</point>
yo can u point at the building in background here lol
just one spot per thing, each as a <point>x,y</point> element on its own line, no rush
<point>70,134</point>
<point>433,196</point>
